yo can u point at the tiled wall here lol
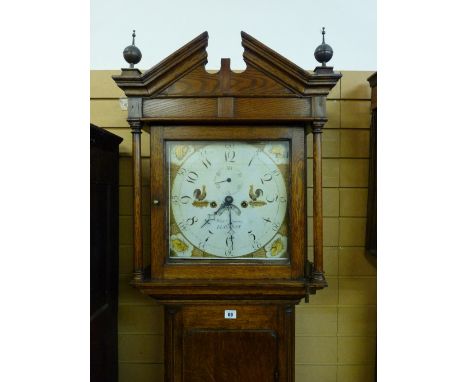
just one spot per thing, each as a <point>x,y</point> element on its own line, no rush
<point>336,331</point>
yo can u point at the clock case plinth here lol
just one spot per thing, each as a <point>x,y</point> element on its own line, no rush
<point>273,98</point>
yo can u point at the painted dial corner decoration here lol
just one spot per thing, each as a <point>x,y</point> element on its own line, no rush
<point>228,200</point>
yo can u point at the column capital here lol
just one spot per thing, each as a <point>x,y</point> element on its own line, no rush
<point>316,126</point>
<point>135,125</point>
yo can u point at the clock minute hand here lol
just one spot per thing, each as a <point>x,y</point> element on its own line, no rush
<point>236,209</point>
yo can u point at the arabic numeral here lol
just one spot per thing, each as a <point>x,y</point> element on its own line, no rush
<point>205,161</point>
<point>185,199</point>
<point>229,156</point>
<point>192,221</point>
<point>256,244</point>
<point>192,176</point>
<point>267,177</point>
<point>203,243</point>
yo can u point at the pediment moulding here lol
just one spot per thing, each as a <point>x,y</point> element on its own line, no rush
<point>183,74</point>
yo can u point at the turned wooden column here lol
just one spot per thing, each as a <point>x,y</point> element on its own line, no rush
<point>136,126</point>
<point>318,275</point>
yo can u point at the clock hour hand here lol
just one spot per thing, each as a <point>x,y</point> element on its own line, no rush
<point>223,181</point>
<point>211,217</point>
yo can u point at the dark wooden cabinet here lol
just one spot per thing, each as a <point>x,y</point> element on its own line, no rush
<point>229,300</point>
<point>104,200</point>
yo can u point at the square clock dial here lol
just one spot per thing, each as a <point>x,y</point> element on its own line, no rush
<point>228,200</point>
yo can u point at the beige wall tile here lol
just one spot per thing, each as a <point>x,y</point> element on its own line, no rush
<point>354,85</point>
<point>125,230</point>
<point>330,232</point>
<point>356,350</point>
<point>310,232</point>
<point>125,200</point>
<point>353,261</point>
<point>141,372</point>
<point>354,143</point>
<point>357,321</point>
<point>356,373</point>
<point>355,114</point>
<point>125,259</point>
<point>331,201</point>
<point>352,232</point>
<point>141,348</point>
<point>316,321</point>
<point>125,148</point>
<point>353,202</point>
<point>310,201</point>
<point>357,291</point>
<point>335,93</point>
<point>315,373</point>
<point>330,144</point>
<point>141,319</point>
<point>330,259</point>
<point>107,113</point>
<point>103,86</point>
<point>330,172</point>
<point>333,115</point>
<point>125,171</point>
<point>310,172</point>
<point>316,350</point>
<point>353,172</point>
<point>327,296</point>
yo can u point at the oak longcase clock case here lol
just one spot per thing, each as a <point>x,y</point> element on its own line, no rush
<point>228,193</point>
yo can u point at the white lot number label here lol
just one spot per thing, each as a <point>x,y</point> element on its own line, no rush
<point>230,314</point>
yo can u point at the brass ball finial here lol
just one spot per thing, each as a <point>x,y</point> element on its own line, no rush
<point>324,52</point>
<point>131,53</point>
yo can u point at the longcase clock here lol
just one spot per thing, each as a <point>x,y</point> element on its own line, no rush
<point>228,193</point>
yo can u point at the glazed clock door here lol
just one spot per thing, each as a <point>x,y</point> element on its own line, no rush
<point>228,200</point>
<point>228,205</point>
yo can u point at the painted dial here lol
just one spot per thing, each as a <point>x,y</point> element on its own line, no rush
<point>228,199</point>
